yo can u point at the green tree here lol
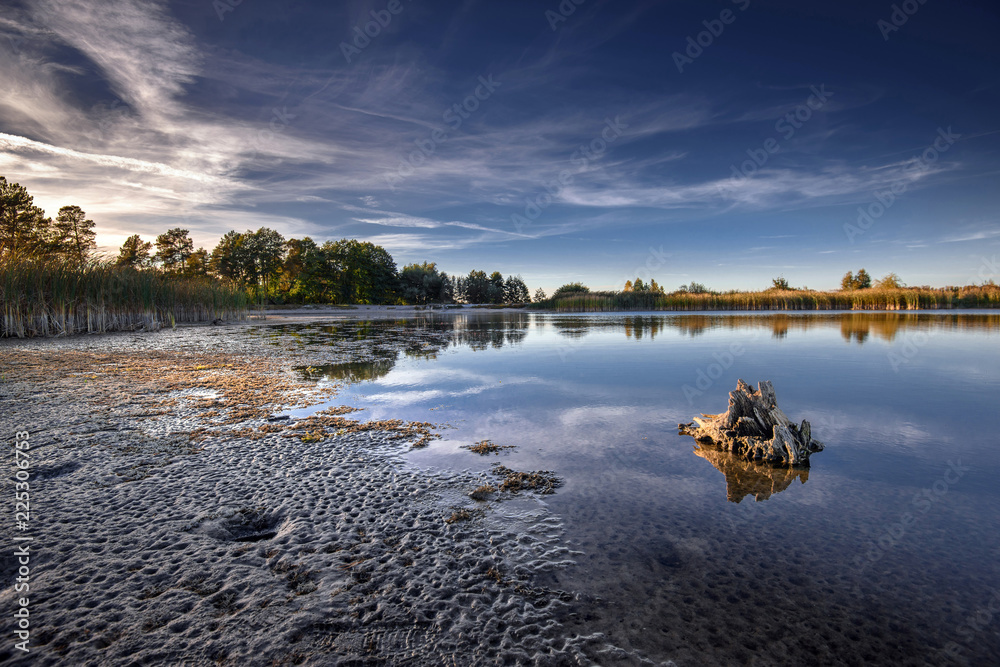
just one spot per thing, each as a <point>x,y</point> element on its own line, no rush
<point>639,286</point>
<point>197,264</point>
<point>494,292</point>
<point>420,283</point>
<point>229,258</point>
<point>134,252</point>
<point>515,291</point>
<point>780,283</point>
<point>539,295</point>
<point>307,274</point>
<point>476,287</point>
<point>570,288</point>
<point>891,281</point>
<point>368,273</point>
<point>852,282</point>
<point>263,254</point>
<point>173,249</point>
<point>23,226</point>
<point>73,234</point>
<point>693,288</point>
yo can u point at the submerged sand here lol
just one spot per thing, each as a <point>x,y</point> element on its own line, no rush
<point>176,520</point>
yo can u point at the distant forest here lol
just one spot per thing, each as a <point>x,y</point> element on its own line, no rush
<point>269,267</point>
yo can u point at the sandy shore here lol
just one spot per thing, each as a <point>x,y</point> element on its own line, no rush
<point>176,520</point>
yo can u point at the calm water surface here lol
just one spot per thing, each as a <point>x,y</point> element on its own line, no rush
<point>886,551</point>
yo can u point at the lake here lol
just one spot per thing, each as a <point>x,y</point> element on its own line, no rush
<point>885,550</point>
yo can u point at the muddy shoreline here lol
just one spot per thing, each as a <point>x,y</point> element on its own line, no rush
<point>176,517</point>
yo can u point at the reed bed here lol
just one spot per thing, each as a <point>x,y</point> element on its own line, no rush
<point>985,296</point>
<point>43,296</point>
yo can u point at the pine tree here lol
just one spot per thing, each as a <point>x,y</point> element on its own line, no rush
<point>173,249</point>
<point>134,252</point>
<point>74,235</point>
<point>23,226</point>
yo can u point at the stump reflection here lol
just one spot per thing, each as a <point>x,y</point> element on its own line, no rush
<point>745,478</point>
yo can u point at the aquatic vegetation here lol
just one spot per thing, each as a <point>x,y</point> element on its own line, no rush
<point>487,447</point>
<point>483,492</point>
<point>542,481</point>
<point>460,514</point>
<point>53,296</point>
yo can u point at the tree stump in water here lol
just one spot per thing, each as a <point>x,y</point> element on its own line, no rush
<point>755,428</point>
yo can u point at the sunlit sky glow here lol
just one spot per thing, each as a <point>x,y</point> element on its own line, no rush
<point>214,117</point>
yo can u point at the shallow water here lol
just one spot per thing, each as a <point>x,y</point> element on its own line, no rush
<point>885,551</point>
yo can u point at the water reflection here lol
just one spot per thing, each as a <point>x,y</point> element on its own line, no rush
<point>854,326</point>
<point>652,522</point>
<point>351,372</point>
<point>745,478</point>
<point>426,336</point>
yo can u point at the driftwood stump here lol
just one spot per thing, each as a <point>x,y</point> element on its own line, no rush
<point>754,428</point>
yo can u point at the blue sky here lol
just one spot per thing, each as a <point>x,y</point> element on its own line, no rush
<point>721,142</point>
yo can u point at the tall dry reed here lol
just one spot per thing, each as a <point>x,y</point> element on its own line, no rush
<point>985,296</point>
<point>48,296</point>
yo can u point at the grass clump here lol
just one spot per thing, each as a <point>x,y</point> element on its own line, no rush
<point>542,481</point>
<point>460,514</point>
<point>487,447</point>
<point>483,492</point>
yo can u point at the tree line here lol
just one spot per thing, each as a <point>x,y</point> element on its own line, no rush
<point>264,263</point>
